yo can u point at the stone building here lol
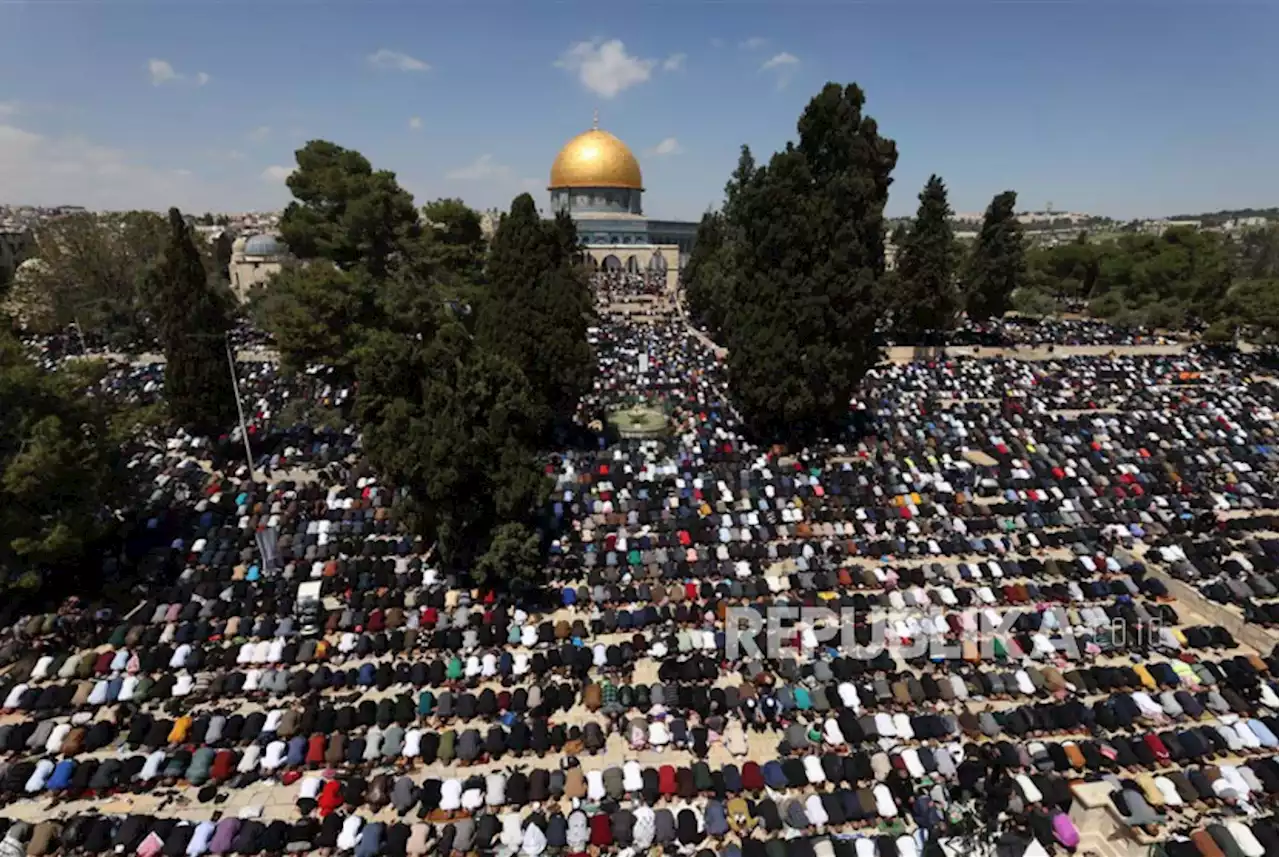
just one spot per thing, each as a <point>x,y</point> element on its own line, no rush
<point>597,180</point>
<point>253,261</point>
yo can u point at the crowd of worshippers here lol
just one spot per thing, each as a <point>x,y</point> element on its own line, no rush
<point>1006,635</point>
<point>620,286</point>
<point>1014,331</point>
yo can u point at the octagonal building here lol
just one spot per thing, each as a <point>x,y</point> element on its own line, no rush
<point>597,180</point>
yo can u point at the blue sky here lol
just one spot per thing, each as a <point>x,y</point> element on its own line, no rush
<point>1120,107</point>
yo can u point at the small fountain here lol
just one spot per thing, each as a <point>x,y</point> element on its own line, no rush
<point>639,422</point>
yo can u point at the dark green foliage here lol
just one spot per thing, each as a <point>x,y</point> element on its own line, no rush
<point>92,270</point>
<point>456,426</point>
<point>320,311</point>
<point>997,265</point>
<point>1219,333</point>
<point>346,212</point>
<point>707,282</point>
<point>453,244</point>
<point>191,319</point>
<point>1065,271</point>
<point>1179,278</point>
<point>1252,303</point>
<point>1256,253</point>
<point>570,246</point>
<point>739,181</point>
<point>714,268</point>
<point>808,234</point>
<point>514,556</point>
<point>55,468</point>
<point>925,297</point>
<point>1033,303</point>
<point>537,308</point>
<point>452,416</point>
<point>220,256</point>
<point>317,313</point>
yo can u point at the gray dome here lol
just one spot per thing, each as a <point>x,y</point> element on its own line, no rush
<point>264,245</point>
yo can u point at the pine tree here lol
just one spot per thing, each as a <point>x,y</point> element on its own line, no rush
<point>346,212</point>
<point>809,255</point>
<point>925,298</point>
<point>191,318</point>
<point>998,264</point>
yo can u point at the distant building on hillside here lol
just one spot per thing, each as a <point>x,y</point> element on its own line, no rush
<point>254,260</point>
<point>1160,227</point>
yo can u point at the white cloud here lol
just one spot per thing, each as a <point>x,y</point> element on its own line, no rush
<point>782,66</point>
<point>260,134</point>
<point>668,146</point>
<point>675,62</point>
<point>8,108</point>
<point>390,60</point>
<point>483,168</point>
<point>415,123</point>
<point>780,61</point>
<point>605,68</point>
<point>717,42</point>
<point>39,170</point>
<point>161,72</point>
<point>276,174</point>
<point>754,43</point>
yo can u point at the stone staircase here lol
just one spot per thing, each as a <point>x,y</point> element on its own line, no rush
<point>1102,833</point>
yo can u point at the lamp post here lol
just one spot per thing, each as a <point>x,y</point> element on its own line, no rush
<point>235,386</point>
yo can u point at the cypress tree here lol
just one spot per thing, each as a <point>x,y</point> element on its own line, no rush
<point>538,307</point>
<point>997,265</point>
<point>705,282</point>
<point>925,298</point>
<point>192,318</point>
<point>809,256</point>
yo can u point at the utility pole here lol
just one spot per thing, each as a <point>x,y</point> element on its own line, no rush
<point>235,386</point>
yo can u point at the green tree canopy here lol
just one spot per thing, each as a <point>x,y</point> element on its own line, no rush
<point>346,212</point>
<point>317,313</point>
<point>1176,279</point>
<point>706,276</point>
<point>456,426</point>
<point>55,469</point>
<point>925,296</point>
<point>191,318</point>
<point>997,265</point>
<point>90,269</point>
<point>537,307</point>
<point>1252,303</point>
<point>808,257</point>
<point>1258,254</point>
<point>453,244</point>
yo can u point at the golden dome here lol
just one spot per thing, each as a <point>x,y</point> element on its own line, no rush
<point>596,158</point>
